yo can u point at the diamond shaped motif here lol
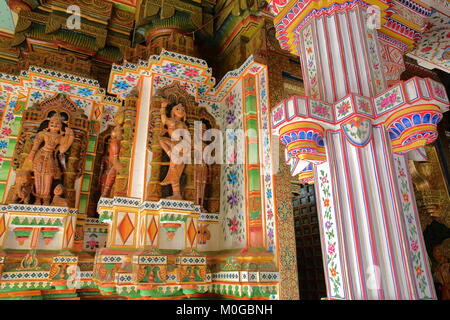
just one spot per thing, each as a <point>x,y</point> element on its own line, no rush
<point>152,230</point>
<point>2,225</point>
<point>69,232</point>
<point>97,112</point>
<point>192,232</point>
<point>125,228</point>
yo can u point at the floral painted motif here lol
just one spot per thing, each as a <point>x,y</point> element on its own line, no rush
<point>433,47</point>
<point>377,71</point>
<point>311,62</point>
<point>417,250</point>
<point>191,72</point>
<point>321,110</point>
<point>343,108</point>
<point>232,201</point>
<point>267,168</point>
<point>358,130</point>
<point>8,103</point>
<point>329,233</point>
<point>389,100</point>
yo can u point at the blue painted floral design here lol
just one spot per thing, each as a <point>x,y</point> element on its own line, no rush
<point>232,178</point>
<point>121,85</point>
<point>85,92</point>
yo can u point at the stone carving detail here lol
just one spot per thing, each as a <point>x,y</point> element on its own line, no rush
<point>195,182</point>
<point>49,150</point>
<point>21,191</point>
<point>43,159</point>
<point>176,121</point>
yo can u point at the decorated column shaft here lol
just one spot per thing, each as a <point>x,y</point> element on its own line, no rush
<point>357,141</point>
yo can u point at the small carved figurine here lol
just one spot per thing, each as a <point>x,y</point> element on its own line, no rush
<point>203,233</point>
<point>113,164</point>
<point>21,191</point>
<point>176,121</point>
<point>58,199</point>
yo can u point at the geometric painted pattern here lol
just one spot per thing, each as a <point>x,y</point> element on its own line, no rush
<point>69,232</point>
<point>152,230</point>
<point>2,225</point>
<point>125,228</point>
<point>192,232</point>
<point>193,260</point>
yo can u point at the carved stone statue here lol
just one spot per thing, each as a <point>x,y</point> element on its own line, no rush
<point>58,199</point>
<point>113,164</point>
<point>21,191</point>
<point>43,159</point>
<point>176,121</point>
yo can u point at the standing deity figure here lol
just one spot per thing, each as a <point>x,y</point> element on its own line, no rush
<point>113,164</point>
<point>43,159</point>
<point>176,121</point>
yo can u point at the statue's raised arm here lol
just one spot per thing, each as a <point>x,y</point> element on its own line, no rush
<point>66,140</point>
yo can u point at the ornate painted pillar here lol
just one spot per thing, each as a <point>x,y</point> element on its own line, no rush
<point>356,132</point>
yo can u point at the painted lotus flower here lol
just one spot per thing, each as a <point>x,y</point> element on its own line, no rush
<point>6,131</point>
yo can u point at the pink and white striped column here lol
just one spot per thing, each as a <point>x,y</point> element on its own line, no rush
<point>356,132</point>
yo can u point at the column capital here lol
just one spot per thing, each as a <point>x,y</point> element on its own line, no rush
<point>293,14</point>
<point>410,111</point>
